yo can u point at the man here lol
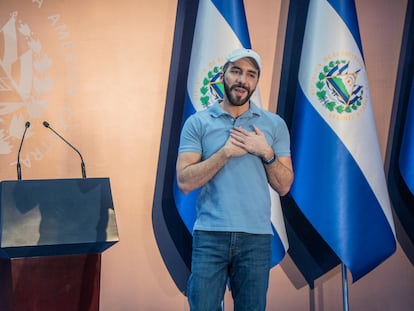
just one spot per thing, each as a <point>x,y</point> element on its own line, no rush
<point>232,151</point>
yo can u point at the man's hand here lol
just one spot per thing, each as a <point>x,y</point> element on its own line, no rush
<point>253,142</point>
<point>233,148</point>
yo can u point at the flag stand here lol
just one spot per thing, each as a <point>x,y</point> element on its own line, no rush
<point>344,288</point>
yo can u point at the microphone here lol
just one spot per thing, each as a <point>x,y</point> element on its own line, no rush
<point>19,170</point>
<point>47,125</point>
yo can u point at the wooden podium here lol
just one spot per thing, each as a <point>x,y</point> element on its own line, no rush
<point>52,234</point>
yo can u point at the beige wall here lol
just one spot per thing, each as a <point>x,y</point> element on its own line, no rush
<point>109,74</point>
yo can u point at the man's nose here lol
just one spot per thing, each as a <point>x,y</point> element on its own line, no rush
<point>241,78</point>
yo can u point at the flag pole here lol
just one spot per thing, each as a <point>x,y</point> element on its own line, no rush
<point>345,288</point>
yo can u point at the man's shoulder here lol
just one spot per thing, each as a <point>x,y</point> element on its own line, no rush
<point>268,114</point>
<point>198,118</point>
<point>206,112</point>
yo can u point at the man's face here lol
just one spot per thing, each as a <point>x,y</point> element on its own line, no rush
<point>240,81</point>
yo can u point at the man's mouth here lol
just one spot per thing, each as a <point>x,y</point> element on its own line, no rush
<point>240,90</point>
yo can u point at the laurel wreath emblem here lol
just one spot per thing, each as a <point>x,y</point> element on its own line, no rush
<point>337,89</point>
<point>212,89</point>
<point>32,96</point>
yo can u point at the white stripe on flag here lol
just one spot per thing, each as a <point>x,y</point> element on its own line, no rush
<point>213,41</point>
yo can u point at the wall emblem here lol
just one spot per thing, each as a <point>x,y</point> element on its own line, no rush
<point>26,83</point>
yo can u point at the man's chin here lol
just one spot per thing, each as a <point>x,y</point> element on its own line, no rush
<point>239,101</point>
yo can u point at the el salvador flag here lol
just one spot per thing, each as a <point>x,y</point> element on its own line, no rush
<point>339,177</point>
<point>221,27</point>
<point>406,160</point>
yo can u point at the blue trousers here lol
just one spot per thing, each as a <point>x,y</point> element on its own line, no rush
<point>241,258</point>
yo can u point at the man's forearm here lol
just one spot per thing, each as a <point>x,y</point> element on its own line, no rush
<point>198,174</point>
<point>280,176</point>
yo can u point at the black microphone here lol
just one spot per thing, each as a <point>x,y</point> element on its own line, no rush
<point>46,124</point>
<point>19,170</point>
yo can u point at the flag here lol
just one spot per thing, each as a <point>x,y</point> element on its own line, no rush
<point>339,177</point>
<point>400,145</point>
<point>221,27</point>
<point>173,239</point>
<point>406,160</point>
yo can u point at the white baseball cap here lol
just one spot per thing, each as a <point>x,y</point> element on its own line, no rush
<point>242,53</point>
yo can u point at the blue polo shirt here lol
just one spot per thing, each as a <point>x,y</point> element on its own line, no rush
<point>237,199</point>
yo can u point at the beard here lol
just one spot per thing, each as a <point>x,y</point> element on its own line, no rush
<point>236,100</point>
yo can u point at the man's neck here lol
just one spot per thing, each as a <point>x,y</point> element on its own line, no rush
<point>235,111</point>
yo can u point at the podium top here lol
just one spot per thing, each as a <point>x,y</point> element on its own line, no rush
<point>56,214</point>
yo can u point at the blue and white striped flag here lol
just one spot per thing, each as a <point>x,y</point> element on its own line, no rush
<point>221,27</point>
<point>406,160</point>
<point>339,177</point>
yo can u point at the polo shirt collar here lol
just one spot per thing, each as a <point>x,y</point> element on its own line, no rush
<point>216,110</point>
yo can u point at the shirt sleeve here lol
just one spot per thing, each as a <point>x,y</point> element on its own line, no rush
<point>190,138</point>
<point>281,142</point>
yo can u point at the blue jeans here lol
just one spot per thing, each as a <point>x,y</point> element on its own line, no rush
<point>241,258</point>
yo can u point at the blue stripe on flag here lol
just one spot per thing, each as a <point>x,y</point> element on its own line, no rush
<point>186,203</point>
<point>334,195</point>
<point>406,160</point>
<point>188,108</point>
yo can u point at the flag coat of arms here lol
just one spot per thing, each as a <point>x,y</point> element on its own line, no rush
<point>339,177</point>
<point>221,27</point>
